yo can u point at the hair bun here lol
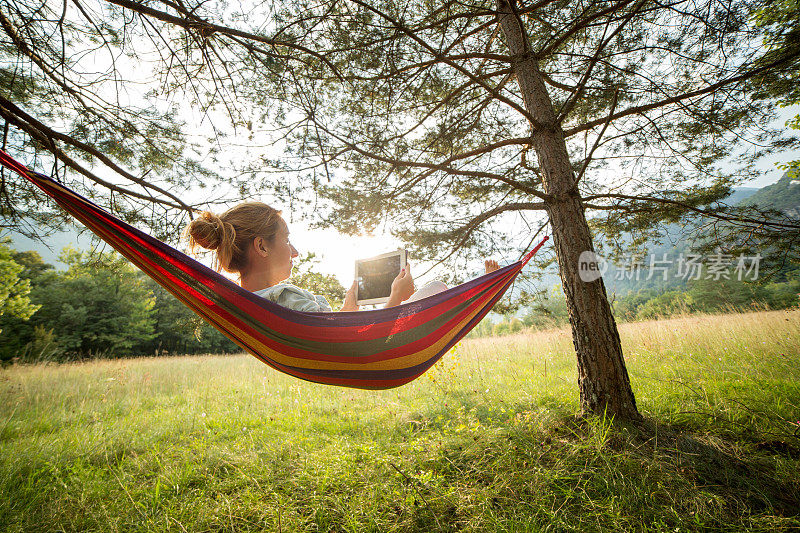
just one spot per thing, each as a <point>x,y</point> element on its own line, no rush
<point>208,231</point>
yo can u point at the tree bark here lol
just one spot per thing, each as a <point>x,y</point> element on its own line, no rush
<point>602,377</point>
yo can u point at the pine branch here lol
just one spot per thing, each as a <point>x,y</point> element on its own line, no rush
<point>206,28</point>
<point>466,231</point>
<point>782,61</point>
<point>579,24</point>
<point>443,166</point>
<point>46,135</point>
<point>413,36</point>
<point>580,89</point>
<point>683,205</point>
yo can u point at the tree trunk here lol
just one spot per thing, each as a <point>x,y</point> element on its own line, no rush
<point>602,376</point>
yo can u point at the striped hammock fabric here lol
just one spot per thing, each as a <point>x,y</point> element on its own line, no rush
<point>377,349</point>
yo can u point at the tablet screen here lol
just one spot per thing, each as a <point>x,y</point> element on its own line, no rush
<point>375,276</point>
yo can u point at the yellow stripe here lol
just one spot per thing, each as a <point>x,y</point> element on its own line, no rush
<point>396,363</point>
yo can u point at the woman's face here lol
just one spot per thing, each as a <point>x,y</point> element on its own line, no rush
<point>281,253</point>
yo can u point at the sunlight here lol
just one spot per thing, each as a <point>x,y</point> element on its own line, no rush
<point>337,253</point>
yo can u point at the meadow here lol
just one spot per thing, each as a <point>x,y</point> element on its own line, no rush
<point>488,440</point>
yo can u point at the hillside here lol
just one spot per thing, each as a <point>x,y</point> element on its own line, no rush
<point>784,195</point>
<point>676,240</point>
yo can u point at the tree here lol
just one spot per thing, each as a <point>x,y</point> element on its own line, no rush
<point>19,332</point>
<point>101,306</point>
<point>444,117</point>
<point>69,89</point>
<point>33,266</point>
<point>178,330</point>
<point>327,285</point>
<point>780,36</point>
<point>14,289</point>
<point>98,306</point>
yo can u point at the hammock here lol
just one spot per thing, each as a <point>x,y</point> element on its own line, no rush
<point>377,349</point>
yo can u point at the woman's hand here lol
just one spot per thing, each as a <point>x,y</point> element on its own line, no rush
<point>402,287</point>
<point>350,299</point>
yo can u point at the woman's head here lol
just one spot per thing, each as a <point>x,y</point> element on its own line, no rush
<point>250,233</point>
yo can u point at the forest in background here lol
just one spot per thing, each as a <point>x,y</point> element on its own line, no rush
<point>101,306</point>
<point>696,296</point>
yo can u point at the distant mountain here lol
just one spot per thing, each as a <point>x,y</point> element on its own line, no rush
<point>677,240</point>
<point>784,195</point>
<point>50,247</point>
<point>740,194</point>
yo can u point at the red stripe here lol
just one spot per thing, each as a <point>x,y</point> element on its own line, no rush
<point>382,384</point>
<point>394,352</point>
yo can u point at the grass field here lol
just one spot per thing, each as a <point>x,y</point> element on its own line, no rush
<point>488,440</point>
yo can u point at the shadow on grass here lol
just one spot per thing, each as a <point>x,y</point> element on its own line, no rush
<point>743,474</point>
<point>590,474</point>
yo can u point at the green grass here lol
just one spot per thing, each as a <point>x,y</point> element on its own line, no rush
<point>488,440</point>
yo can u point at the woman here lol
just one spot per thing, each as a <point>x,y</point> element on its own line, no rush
<point>252,239</point>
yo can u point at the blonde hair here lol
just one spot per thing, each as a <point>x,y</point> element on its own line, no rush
<point>230,233</point>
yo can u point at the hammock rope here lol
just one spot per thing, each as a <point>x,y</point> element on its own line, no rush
<point>376,349</point>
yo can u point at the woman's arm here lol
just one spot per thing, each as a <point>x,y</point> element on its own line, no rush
<point>402,287</point>
<point>350,299</point>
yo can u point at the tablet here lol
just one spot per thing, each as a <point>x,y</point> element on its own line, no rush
<point>374,276</point>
